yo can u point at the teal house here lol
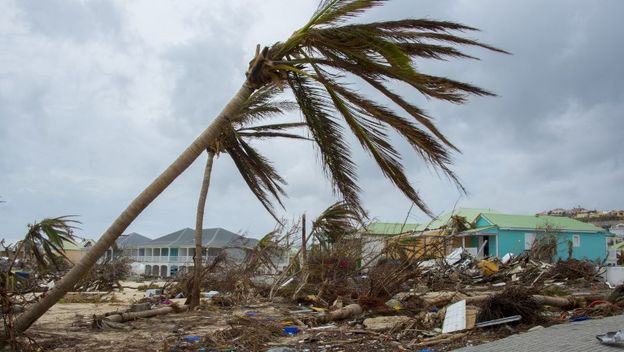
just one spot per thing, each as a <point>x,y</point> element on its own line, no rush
<point>495,234</point>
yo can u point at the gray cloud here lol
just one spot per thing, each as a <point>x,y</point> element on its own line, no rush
<point>97,97</point>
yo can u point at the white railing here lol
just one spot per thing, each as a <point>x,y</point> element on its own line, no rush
<point>164,259</point>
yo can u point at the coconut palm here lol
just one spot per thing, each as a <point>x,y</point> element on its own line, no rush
<point>337,221</point>
<point>316,62</point>
<point>44,241</point>
<point>260,176</point>
<point>42,246</point>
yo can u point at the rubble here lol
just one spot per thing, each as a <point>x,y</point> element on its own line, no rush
<point>385,322</point>
<point>400,302</point>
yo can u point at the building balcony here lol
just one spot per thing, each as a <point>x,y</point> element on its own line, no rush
<point>166,259</point>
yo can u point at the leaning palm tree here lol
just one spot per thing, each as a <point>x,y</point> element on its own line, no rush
<point>260,176</point>
<point>316,62</point>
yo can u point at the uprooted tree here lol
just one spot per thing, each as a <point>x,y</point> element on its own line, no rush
<point>316,63</point>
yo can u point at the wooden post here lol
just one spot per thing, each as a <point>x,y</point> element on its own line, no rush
<point>304,254</point>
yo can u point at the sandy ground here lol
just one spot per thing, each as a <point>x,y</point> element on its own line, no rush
<point>67,326</point>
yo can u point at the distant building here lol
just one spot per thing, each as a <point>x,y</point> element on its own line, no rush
<point>498,234</point>
<point>168,254</point>
<point>423,239</point>
<point>604,219</point>
<point>376,235</point>
<point>617,230</point>
<point>74,251</point>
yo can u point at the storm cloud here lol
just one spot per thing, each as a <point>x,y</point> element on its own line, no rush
<point>98,97</point>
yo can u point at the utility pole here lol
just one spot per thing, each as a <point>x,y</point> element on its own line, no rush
<point>304,254</point>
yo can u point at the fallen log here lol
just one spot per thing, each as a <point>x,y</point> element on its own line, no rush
<point>555,301</point>
<point>123,317</point>
<point>343,313</point>
<point>560,302</point>
<point>440,339</point>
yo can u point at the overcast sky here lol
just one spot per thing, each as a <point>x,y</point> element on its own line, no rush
<point>98,97</point>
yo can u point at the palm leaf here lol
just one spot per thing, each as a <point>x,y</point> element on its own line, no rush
<point>45,240</point>
<point>261,177</point>
<point>336,221</point>
<point>318,58</point>
<point>328,135</point>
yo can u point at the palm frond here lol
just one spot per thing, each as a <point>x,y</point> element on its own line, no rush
<point>316,60</point>
<point>273,127</point>
<point>45,240</point>
<point>335,11</point>
<point>262,104</point>
<point>337,220</point>
<point>328,135</point>
<point>259,174</point>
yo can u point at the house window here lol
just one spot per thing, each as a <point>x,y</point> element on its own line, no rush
<point>164,252</point>
<point>576,240</point>
<point>529,239</point>
<point>141,252</point>
<point>213,252</point>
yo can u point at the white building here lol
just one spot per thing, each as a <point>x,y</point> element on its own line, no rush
<point>617,230</point>
<point>166,255</point>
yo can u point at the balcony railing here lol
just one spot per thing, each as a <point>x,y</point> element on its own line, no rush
<point>166,259</point>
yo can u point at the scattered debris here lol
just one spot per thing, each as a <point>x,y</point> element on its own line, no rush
<point>611,338</point>
<point>385,322</point>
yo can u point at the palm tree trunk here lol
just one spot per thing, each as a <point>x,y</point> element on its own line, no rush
<point>199,225</point>
<point>184,160</point>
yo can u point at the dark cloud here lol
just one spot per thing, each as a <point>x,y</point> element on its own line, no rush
<point>97,97</point>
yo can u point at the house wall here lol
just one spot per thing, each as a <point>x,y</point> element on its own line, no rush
<point>592,245</point>
<point>74,255</point>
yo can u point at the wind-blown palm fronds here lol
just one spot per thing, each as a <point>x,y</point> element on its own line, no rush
<point>315,60</point>
<point>45,240</point>
<point>257,171</point>
<point>336,221</point>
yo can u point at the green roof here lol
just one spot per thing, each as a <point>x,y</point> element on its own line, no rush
<point>470,214</point>
<point>389,228</point>
<point>536,222</point>
<point>477,230</point>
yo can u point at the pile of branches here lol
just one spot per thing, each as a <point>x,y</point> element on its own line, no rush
<point>544,248</point>
<point>105,276</point>
<point>211,277</point>
<point>243,334</point>
<point>514,300</point>
<point>573,269</point>
<point>232,272</point>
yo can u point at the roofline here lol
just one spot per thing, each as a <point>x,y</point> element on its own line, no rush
<point>537,229</point>
<point>548,230</point>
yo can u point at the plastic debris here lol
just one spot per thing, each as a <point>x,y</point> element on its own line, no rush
<point>291,330</point>
<point>499,321</point>
<point>210,294</point>
<point>611,338</point>
<point>192,338</point>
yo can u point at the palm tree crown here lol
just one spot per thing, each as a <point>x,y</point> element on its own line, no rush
<point>257,171</point>
<point>317,58</point>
